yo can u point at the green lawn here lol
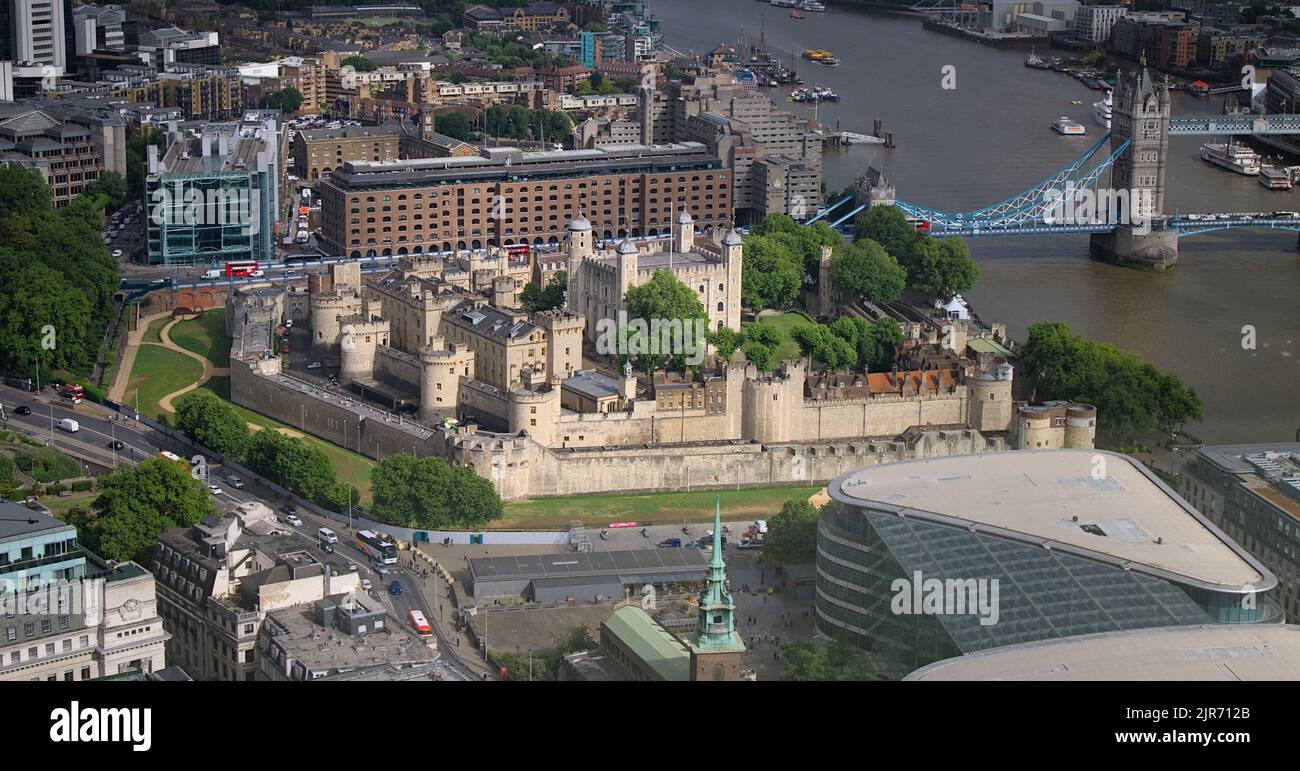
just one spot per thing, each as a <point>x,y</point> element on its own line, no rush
<point>61,506</point>
<point>350,467</point>
<point>660,508</point>
<point>788,349</point>
<point>206,336</point>
<point>156,373</point>
<point>153,332</point>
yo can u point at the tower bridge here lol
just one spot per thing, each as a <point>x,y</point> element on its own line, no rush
<point>1125,219</point>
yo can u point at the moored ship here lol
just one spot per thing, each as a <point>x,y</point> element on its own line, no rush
<point>1274,178</point>
<point>1101,110</point>
<point>1232,156</point>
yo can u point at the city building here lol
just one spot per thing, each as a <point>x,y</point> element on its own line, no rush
<point>1252,492</point>
<point>534,17</point>
<point>774,156</point>
<point>35,32</point>
<point>930,559</point>
<point>68,143</point>
<point>600,576</point>
<point>319,152</point>
<point>99,28</point>
<point>1219,653</point>
<point>1217,49</point>
<point>172,45</point>
<point>342,637</point>
<point>214,195</point>
<point>1166,39</point>
<point>218,580</point>
<point>67,614</point>
<point>1094,22</point>
<point>505,196</point>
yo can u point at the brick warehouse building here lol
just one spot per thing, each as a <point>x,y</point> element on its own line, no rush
<point>505,196</point>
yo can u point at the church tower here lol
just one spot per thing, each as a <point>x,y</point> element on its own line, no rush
<point>716,648</point>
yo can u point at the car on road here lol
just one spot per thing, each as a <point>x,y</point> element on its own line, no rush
<point>351,566</point>
<point>215,490</point>
<point>236,483</point>
<point>259,273</point>
<point>117,252</point>
<point>670,543</point>
<point>293,519</point>
<point>69,425</point>
<point>22,409</point>
<point>365,584</point>
<point>761,526</point>
<point>117,444</point>
<point>395,588</point>
<point>314,365</point>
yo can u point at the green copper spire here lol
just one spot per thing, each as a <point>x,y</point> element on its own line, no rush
<point>716,627</point>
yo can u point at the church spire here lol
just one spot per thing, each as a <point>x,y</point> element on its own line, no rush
<point>716,627</point>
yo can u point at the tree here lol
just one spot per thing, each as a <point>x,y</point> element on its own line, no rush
<point>287,99</point>
<point>942,267</point>
<point>875,342</point>
<point>865,270</point>
<point>760,356</point>
<point>764,333</point>
<point>725,341</point>
<point>534,298</point>
<point>426,492</point>
<point>594,26</point>
<point>818,343</point>
<point>1130,395</point>
<point>293,464</point>
<point>792,534</point>
<point>23,192</point>
<point>773,272</point>
<point>136,503</point>
<point>888,226</point>
<point>213,422</point>
<point>112,186</point>
<point>359,63</point>
<point>664,297</point>
<point>805,241</point>
<point>454,125</point>
<point>805,663</point>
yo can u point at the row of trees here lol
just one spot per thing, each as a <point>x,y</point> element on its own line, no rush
<point>1130,395</point>
<point>290,462</point>
<point>519,122</point>
<point>851,342</point>
<point>428,493</point>
<point>56,277</point>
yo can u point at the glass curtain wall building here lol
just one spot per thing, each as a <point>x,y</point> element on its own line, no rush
<point>926,560</point>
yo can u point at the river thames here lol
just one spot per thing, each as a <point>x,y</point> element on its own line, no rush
<point>989,138</point>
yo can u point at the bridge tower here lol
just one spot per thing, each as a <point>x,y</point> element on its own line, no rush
<point>1140,113</point>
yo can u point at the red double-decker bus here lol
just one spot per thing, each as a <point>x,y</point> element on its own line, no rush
<point>517,250</point>
<point>241,269</point>
<point>74,393</point>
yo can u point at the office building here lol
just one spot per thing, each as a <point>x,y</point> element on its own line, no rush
<point>68,143</point>
<point>505,196</point>
<point>1252,492</point>
<point>215,195</point>
<point>1094,22</point>
<point>218,580</point>
<point>68,615</point>
<point>926,560</point>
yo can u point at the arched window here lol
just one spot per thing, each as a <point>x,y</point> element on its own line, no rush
<point>719,672</point>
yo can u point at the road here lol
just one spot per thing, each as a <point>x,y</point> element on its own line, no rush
<point>94,439</point>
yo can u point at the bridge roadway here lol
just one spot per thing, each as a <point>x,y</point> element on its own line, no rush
<point>1222,125</point>
<point>1185,224</point>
